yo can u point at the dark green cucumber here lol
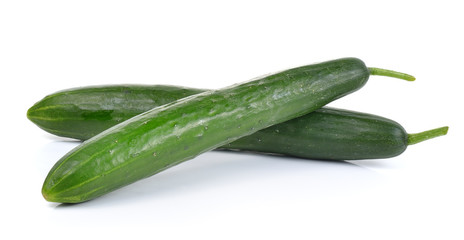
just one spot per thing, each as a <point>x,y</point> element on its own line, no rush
<point>82,113</point>
<point>326,133</point>
<point>170,134</point>
<point>334,134</point>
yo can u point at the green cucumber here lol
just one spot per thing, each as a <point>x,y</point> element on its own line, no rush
<point>170,134</point>
<point>326,133</point>
<point>82,113</point>
<point>334,134</point>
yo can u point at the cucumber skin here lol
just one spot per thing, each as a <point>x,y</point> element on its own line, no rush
<point>329,134</point>
<point>326,133</point>
<point>82,113</point>
<point>170,134</point>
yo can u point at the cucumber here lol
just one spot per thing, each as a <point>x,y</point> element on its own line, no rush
<point>334,134</point>
<point>175,132</point>
<point>82,113</point>
<point>326,133</point>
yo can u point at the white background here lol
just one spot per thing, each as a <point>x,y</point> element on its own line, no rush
<point>46,46</point>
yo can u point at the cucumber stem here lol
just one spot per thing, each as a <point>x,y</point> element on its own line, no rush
<point>426,135</point>
<point>390,73</point>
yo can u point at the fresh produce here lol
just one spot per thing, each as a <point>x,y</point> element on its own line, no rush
<point>334,134</point>
<point>82,113</point>
<point>170,134</point>
<point>326,133</point>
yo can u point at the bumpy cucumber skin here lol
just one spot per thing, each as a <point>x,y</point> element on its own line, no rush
<point>170,134</point>
<point>82,113</point>
<point>330,134</point>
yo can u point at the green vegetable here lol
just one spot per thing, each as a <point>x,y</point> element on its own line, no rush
<point>170,134</point>
<point>334,134</point>
<point>82,113</point>
<point>326,133</point>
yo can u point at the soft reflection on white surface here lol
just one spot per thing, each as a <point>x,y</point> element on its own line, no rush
<point>48,154</point>
<point>226,186</point>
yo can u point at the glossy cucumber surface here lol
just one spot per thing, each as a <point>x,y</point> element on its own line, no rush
<point>170,134</point>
